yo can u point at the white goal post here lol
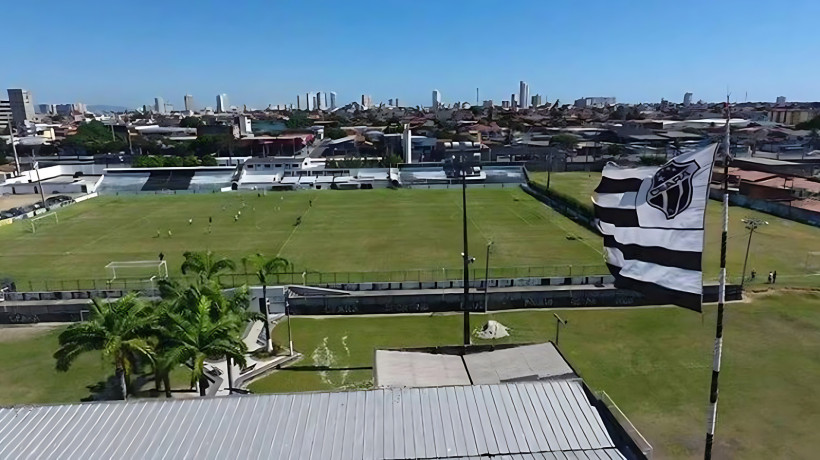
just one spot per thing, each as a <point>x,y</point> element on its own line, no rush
<point>46,218</point>
<point>142,269</point>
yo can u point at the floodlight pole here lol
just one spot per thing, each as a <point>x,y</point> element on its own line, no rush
<point>487,275</point>
<point>465,256</point>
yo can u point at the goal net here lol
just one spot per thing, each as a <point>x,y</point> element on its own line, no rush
<point>137,273</point>
<point>38,222</point>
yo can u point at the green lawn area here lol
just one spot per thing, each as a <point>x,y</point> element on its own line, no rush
<point>340,231</point>
<point>654,363</point>
<point>783,245</point>
<point>28,375</point>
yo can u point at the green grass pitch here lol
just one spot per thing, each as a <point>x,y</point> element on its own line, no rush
<point>340,231</point>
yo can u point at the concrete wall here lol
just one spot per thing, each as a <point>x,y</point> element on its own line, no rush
<point>775,208</point>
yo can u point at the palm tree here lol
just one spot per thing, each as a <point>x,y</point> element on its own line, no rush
<point>263,268</point>
<point>196,337</point>
<point>206,264</point>
<point>119,329</point>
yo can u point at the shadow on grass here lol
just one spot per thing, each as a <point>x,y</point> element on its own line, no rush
<point>104,390</point>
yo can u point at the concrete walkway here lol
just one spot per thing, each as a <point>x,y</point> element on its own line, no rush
<point>255,366</point>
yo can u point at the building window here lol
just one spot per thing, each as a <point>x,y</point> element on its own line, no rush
<point>267,166</point>
<point>250,166</point>
<point>278,165</point>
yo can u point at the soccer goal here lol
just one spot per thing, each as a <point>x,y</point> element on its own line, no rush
<point>48,219</point>
<point>131,271</point>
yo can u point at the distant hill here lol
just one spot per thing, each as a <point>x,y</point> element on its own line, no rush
<point>99,108</point>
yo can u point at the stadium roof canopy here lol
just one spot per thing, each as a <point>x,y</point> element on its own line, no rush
<point>532,420</point>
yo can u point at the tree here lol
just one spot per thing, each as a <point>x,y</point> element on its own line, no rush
<point>263,268</point>
<point>564,141</point>
<point>205,264</point>
<point>190,161</point>
<point>94,137</point>
<point>191,122</point>
<point>196,336</point>
<point>208,160</point>
<point>119,329</point>
<point>298,120</point>
<point>616,150</point>
<point>335,133</point>
<point>814,123</point>
<point>171,162</point>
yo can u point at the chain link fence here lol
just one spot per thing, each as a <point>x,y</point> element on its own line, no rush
<point>317,278</point>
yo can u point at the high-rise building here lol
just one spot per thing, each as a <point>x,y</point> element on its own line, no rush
<point>397,102</point>
<point>436,100</point>
<point>22,106</point>
<point>687,99</point>
<point>5,116</point>
<point>488,103</point>
<point>189,103</point>
<point>390,102</point>
<point>513,102</point>
<point>524,94</point>
<point>159,105</point>
<point>781,100</point>
<point>367,101</point>
<point>321,101</point>
<point>298,103</point>
<point>221,103</point>
<point>536,100</point>
<point>505,104</point>
<point>594,102</point>
<point>333,100</point>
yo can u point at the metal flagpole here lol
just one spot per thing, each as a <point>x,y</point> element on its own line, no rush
<point>713,392</point>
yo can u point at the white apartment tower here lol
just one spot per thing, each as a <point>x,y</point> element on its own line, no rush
<point>687,99</point>
<point>22,105</point>
<point>189,103</point>
<point>436,100</point>
<point>333,100</point>
<point>524,94</point>
<point>221,103</point>
<point>159,105</point>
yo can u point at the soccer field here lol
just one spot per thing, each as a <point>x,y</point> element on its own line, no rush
<point>340,231</point>
<point>789,247</point>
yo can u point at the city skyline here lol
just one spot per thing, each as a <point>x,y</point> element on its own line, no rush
<point>572,66</point>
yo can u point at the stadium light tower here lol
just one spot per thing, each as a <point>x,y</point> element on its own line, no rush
<point>752,223</point>
<point>462,166</point>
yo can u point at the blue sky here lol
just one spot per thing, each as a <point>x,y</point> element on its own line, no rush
<point>264,52</point>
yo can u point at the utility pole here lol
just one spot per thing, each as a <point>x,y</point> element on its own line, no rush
<point>14,149</point>
<point>752,224</point>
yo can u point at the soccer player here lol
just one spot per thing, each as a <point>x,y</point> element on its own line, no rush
<point>190,221</point>
<point>235,217</point>
<point>169,233</point>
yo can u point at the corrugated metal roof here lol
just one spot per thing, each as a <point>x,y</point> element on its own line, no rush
<point>425,423</point>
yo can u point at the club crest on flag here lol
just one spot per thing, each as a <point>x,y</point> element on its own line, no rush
<point>671,189</point>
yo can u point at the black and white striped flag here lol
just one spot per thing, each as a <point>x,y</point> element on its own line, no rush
<point>652,222</point>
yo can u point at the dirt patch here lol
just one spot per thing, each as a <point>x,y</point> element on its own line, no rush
<point>15,332</point>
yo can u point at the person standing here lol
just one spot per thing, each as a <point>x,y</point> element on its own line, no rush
<point>770,278</point>
<point>774,277</point>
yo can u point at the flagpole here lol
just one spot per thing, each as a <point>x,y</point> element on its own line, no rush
<point>713,393</point>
